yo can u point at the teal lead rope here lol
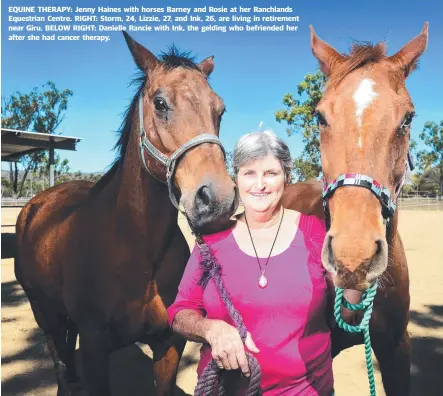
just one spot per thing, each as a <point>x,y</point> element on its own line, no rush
<point>366,305</point>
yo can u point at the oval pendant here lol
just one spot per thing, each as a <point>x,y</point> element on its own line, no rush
<point>263,281</point>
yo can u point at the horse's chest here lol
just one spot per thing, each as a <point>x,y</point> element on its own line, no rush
<point>134,318</point>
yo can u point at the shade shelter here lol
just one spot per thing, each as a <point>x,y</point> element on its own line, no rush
<point>17,143</point>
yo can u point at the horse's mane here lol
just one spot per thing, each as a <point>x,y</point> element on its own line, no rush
<point>360,55</point>
<point>175,58</point>
<point>172,59</point>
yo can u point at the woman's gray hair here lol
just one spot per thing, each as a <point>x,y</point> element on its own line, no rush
<point>257,145</point>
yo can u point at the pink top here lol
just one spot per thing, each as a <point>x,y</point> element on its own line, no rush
<point>287,319</point>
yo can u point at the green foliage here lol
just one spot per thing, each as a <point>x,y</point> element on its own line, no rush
<point>52,104</point>
<point>19,110</point>
<point>37,111</point>
<point>6,187</point>
<point>432,136</point>
<point>92,177</point>
<point>299,114</point>
<point>229,163</point>
<point>60,166</point>
<point>426,182</point>
<point>39,181</point>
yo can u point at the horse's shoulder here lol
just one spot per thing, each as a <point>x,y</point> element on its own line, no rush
<point>53,204</point>
<point>304,197</point>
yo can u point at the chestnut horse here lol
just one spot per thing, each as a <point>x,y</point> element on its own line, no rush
<point>105,261</point>
<point>364,119</point>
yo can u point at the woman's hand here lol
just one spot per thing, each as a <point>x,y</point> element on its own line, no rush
<point>227,347</point>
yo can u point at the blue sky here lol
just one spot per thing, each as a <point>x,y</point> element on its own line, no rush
<point>252,70</point>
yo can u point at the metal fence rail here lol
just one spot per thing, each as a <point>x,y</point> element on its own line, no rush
<point>421,203</point>
<point>6,202</point>
<point>402,202</point>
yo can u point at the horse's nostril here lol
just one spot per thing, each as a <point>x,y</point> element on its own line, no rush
<point>378,262</point>
<point>331,259</point>
<point>203,195</point>
<point>379,244</point>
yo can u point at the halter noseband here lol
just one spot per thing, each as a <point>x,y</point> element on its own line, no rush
<point>382,193</point>
<point>355,179</point>
<point>169,162</point>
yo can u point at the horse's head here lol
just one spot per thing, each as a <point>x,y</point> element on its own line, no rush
<point>364,118</point>
<point>180,121</point>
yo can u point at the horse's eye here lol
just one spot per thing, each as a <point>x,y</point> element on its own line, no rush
<point>408,119</point>
<point>321,121</point>
<point>160,105</point>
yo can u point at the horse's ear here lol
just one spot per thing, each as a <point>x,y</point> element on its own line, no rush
<point>144,59</point>
<point>327,56</point>
<point>406,59</point>
<point>207,66</point>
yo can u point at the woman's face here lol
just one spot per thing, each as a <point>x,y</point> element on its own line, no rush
<point>261,184</point>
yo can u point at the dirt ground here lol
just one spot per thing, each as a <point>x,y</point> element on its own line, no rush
<point>27,367</point>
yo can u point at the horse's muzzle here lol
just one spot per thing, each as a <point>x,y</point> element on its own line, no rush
<point>357,266</point>
<point>211,211</point>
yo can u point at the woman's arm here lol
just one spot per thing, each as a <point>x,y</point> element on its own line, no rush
<point>191,325</point>
<point>187,317</point>
<point>190,294</point>
<point>227,348</point>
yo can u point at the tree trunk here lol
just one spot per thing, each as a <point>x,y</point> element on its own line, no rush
<point>11,173</point>
<point>15,182</point>
<point>25,175</point>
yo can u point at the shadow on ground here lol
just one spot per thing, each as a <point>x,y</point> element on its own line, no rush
<point>13,294</point>
<point>427,354</point>
<point>130,371</point>
<point>8,245</point>
<point>35,358</point>
<point>32,370</point>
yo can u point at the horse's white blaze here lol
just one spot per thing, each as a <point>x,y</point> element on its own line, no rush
<point>363,97</point>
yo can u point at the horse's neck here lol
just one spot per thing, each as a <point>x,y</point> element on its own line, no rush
<point>140,207</point>
<point>392,231</point>
<point>144,199</point>
<point>397,267</point>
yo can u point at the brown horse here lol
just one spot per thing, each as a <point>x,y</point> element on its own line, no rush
<point>364,118</point>
<point>104,261</point>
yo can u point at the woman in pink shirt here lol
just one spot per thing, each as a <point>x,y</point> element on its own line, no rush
<point>271,267</point>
